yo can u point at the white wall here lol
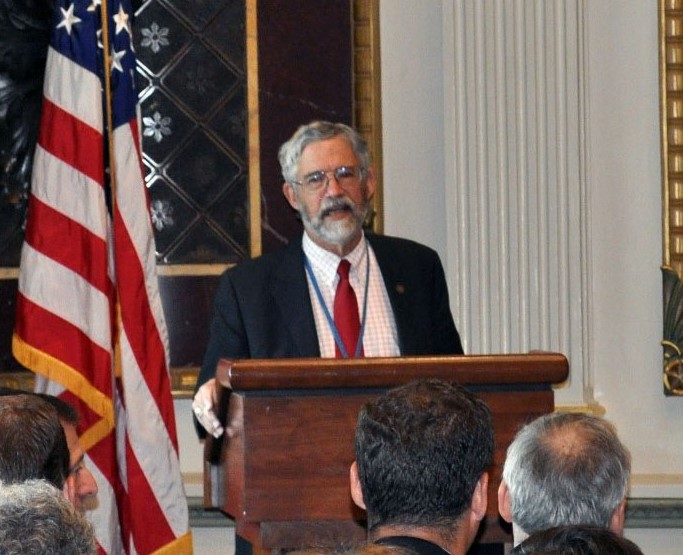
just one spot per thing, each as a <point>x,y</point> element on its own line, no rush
<point>626,233</point>
<point>412,122</point>
<point>624,188</point>
<point>625,174</point>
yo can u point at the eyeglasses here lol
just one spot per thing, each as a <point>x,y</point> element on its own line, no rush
<point>346,176</point>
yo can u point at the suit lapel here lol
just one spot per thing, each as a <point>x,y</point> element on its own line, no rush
<point>290,295</point>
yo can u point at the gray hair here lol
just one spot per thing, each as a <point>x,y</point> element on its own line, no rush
<point>36,519</point>
<point>290,152</point>
<point>564,469</point>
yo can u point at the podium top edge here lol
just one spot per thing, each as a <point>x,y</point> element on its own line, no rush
<point>320,373</point>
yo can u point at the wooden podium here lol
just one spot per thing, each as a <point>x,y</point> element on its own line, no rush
<point>284,475</point>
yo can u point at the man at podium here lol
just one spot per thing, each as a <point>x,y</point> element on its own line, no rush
<point>337,291</point>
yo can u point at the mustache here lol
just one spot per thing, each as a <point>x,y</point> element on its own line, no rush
<point>335,203</point>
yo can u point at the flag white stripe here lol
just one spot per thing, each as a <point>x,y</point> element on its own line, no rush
<point>66,294</point>
<point>69,192</point>
<point>151,444</point>
<point>60,75</point>
<point>139,228</point>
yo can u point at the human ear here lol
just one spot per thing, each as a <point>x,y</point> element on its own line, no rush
<point>370,182</point>
<point>290,195</point>
<point>69,489</point>
<point>504,504</point>
<point>356,490</point>
<point>616,521</point>
<point>480,497</point>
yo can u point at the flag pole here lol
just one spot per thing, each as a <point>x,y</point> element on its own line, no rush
<point>108,111</point>
<point>107,95</point>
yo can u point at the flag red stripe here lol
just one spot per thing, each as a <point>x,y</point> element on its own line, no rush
<point>82,251</point>
<point>76,143</point>
<point>65,342</point>
<point>149,527</point>
<point>140,326</point>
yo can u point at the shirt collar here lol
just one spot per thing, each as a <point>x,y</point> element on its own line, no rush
<point>325,262</point>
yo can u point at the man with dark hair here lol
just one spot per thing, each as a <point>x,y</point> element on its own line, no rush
<point>576,540</point>
<point>84,483</point>
<point>32,442</point>
<point>563,469</point>
<point>422,453</point>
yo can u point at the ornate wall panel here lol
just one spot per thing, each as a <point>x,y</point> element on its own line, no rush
<point>192,78</point>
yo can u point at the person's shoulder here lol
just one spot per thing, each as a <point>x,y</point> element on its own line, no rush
<point>265,264</point>
<point>399,244</point>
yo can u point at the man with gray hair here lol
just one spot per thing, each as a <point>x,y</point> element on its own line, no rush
<point>337,290</point>
<point>36,519</point>
<point>334,292</point>
<point>561,469</point>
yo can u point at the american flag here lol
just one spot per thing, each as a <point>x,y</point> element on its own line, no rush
<point>89,318</point>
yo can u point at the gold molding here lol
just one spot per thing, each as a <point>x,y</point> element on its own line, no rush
<point>9,273</point>
<point>367,92</point>
<point>671,124</point>
<point>192,269</point>
<point>183,381</point>
<point>595,409</point>
<point>254,136</point>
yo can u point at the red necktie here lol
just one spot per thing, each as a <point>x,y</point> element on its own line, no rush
<point>346,318</point>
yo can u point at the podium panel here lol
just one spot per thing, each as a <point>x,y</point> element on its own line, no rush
<point>284,475</point>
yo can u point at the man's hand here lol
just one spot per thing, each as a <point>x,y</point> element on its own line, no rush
<point>203,407</point>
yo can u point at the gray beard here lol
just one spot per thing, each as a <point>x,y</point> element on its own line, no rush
<point>336,232</point>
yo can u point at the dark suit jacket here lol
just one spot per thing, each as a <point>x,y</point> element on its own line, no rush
<point>262,307</point>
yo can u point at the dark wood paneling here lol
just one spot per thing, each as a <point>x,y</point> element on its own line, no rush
<point>187,302</point>
<point>287,465</point>
<point>305,73</point>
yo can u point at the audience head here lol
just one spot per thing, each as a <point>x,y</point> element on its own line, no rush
<point>364,548</point>
<point>576,540</point>
<point>84,483</point>
<point>36,519</point>
<point>422,451</point>
<point>329,182</point>
<point>563,469</point>
<point>32,441</point>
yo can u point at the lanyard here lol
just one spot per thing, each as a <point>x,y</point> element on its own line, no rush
<point>330,320</point>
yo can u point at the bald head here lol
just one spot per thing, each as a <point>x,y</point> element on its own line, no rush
<point>565,469</point>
